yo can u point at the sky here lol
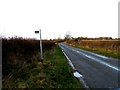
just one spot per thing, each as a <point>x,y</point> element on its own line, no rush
<point>87,18</point>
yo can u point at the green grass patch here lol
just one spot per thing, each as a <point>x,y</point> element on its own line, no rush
<point>59,71</point>
<point>114,54</point>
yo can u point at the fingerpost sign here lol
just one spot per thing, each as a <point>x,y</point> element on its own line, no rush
<point>39,32</point>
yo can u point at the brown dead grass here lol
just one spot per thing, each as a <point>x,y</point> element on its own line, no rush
<point>108,46</point>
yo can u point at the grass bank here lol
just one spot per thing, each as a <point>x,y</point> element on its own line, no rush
<point>23,68</point>
<point>113,54</point>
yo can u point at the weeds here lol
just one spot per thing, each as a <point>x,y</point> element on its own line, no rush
<point>22,66</point>
<point>20,60</point>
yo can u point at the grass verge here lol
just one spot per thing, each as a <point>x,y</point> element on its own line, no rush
<point>113,54</point>
<point>59,71</point>
<point>53,72</point>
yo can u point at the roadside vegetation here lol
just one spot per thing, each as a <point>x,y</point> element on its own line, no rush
<point>59,72</point>
<point>23,68</point>
<point>108,48</point>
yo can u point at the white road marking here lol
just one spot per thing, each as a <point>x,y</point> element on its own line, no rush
<point>115,68</point>
<point>76,74</point>
<point>100,55</point>
<point>98,60</point>
<point>93,53</point>
<point>69,61</point>
<point>96,54</point>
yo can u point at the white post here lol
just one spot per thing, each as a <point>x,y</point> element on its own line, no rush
<point>41,46</point>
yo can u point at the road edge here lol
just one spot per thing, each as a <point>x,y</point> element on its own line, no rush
<point>74,70</point>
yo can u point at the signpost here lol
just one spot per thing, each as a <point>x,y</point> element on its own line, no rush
<point>37,32</point>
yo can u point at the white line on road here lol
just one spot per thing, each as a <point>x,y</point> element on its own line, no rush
<point>98,60</point>
<point>70,63</point>
<point>76,74</point>
<point>101,56</point>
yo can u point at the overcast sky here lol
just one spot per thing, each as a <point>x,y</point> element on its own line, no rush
<point>87,18</point>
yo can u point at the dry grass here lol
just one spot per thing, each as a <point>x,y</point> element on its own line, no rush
<point>20,60</point>
<point>110,47</point>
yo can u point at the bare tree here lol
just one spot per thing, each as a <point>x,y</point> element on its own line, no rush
<point>68,35</point>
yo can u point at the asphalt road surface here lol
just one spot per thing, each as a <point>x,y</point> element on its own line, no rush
<point>98,71</point>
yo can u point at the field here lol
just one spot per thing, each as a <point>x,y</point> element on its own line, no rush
<point>23,68</point>
<point>106,47</point>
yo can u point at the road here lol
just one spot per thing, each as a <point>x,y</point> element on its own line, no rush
<point>98,71</point>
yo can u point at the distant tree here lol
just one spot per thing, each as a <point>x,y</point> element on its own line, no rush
<point>68,35</point>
